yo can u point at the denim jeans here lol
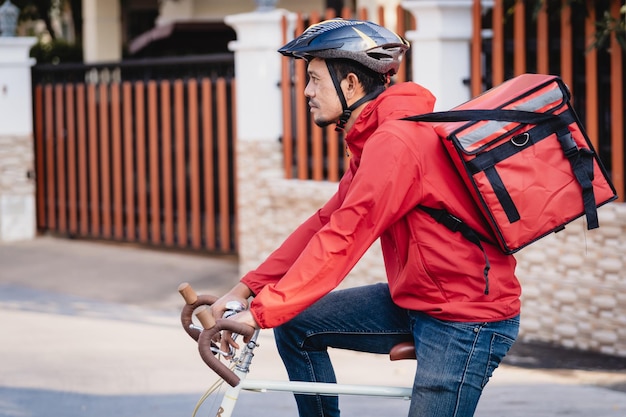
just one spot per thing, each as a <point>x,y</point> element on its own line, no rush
<point>455,359</point>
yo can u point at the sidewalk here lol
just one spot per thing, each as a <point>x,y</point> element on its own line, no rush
<point>92,329</point>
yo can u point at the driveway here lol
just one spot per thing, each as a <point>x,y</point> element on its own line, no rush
<point>92,329</point>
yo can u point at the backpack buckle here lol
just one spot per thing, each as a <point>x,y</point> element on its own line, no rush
<point>451,222</point>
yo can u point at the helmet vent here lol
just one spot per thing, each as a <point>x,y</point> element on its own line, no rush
<point>379,56</point>
<point>328,25</point>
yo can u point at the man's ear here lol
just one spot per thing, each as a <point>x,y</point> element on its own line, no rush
<point>351,86</point>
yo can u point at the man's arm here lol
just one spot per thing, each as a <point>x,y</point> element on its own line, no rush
<point>386,186</point>
<point>281,260</point>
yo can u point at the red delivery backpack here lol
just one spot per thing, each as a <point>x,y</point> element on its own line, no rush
<point>526,159</point>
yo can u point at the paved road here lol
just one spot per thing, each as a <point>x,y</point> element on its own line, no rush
<point>92,329</point>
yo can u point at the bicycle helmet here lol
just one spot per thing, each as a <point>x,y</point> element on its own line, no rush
<point>373,46</point>
<point>367,43</point>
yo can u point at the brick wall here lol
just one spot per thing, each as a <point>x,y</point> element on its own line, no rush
<point>574,282</point>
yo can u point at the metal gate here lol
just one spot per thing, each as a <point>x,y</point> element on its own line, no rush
<point>138,151</point>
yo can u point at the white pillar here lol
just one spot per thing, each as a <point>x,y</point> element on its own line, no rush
<point>259,125</point>
<point>15,85</point>
<point>440,48</point>
<point>17,190</point>
<point>257,69</point>
<point>102,31</point>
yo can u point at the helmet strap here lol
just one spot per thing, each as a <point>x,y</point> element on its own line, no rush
<point>347,111</point>
<point>345,115</point>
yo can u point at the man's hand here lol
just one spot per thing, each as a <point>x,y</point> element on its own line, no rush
<point>244,317</point>
<point>239,293</point>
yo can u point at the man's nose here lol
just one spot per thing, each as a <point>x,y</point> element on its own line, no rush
<point>308,92</point>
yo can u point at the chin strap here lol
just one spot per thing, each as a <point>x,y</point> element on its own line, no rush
<point>347,111</point>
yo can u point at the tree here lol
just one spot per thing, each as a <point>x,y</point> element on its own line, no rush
<point>36,10</point>
<point>608,25</point>
<point>44,10</point>
<point>54,46</point>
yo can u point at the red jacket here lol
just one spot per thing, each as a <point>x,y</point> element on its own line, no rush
<point>395,165</point>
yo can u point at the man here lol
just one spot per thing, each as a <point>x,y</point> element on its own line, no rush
<point>463,321</point>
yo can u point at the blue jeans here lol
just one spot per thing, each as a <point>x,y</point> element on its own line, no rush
<point>455,359</point>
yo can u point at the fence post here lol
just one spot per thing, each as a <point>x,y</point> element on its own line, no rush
<point>17,190</point>
<point>258,156</point>
<point>440,48</point>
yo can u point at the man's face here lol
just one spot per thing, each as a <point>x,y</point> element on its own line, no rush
<point>323,100</point>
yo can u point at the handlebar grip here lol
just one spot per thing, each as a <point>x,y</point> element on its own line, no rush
<point>187,313</point>
<point>204,346</point>
<point>188,293</point>
<point>205,316</point>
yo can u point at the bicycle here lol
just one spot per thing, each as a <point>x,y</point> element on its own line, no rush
<point>235,374</point>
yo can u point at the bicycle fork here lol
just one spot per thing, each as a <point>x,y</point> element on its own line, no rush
<point>242,368</point>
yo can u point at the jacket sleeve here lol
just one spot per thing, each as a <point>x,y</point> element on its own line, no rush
<point>384,188</point>
<point>279,261</point>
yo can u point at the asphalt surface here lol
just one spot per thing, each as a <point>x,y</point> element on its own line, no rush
<point>92,329</point>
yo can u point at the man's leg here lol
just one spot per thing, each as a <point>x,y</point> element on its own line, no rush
<point>363,319</point>
<point>455,361</point>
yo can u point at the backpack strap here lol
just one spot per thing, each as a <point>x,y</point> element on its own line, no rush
<point>455,224</point>
<point>581,160</point>
<point>520,116</point>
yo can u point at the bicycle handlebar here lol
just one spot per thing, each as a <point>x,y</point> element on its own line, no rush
<point>211,328</point>
<point>204,346</point>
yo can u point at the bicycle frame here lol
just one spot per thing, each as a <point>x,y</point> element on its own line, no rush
<point>236,377</point>
<point>242,368</point>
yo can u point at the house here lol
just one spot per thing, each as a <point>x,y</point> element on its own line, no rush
<point>176,27</point>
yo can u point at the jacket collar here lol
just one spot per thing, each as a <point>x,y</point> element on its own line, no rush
<point>398,101</point>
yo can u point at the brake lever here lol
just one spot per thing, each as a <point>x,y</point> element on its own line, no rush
<point>204,346</point>
<point>232,308</point>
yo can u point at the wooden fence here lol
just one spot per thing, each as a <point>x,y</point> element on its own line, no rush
<point>136,160</point>
<point>509,39</point>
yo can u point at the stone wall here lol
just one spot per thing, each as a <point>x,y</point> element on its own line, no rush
<point>17,191</point>
<point>271,207</point>
<point>574,282</point>
<point>574,285</point>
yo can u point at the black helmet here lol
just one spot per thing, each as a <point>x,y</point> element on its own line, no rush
<point>367,43</point>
